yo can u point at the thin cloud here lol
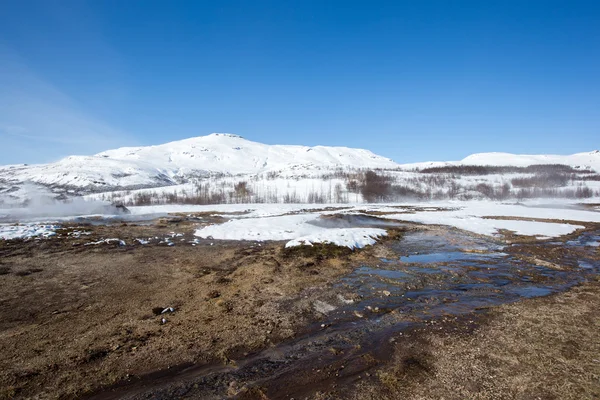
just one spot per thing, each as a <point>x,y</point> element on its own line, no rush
<point>35,112</point>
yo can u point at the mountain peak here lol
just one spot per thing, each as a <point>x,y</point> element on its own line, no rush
<point>229,135</point>
<point>232,154</point>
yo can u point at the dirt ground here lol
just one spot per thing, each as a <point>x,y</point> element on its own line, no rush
<point>76,318</point>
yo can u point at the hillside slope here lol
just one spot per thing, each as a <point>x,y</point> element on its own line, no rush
<point>586,160</point>
<point>227,153</point>
<point>177,162</point>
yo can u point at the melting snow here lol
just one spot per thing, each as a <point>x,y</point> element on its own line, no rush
<point>23,231</point>
<point>107,241</point>
<point>297,229</point>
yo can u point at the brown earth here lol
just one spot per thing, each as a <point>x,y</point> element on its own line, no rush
<point>75,318</point>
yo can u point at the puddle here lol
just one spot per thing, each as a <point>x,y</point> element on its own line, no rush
<point>448,256</point>
<point>587,239</point>
<point>532,291</point>
<point>354,221</point>
<point>586,265</point>
<point>384,273</point>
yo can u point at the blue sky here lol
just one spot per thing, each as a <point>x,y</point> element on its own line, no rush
<point>411,80</point>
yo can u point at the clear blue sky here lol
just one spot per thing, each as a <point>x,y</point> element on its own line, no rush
<point>412,80</point>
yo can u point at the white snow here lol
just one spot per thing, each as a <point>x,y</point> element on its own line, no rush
<point>235,155</point>
<point>260,224</point>
<point>584,160</point>
<point>490,226</point>
<point>213,164</point>
<point>107,241</point>
<point>469,216</point>
<point>347,237</point>
<point>297,229</point>
<point>23,231</point>
<point>295,223</point>
<point>171,163</point>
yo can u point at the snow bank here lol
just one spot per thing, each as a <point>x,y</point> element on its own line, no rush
<point>347,237</point>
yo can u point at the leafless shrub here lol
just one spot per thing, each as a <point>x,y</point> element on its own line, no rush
<point>494,169</point>
<point>291,198</point>
<point>375,187</point>
<point>338,195</point>
<point>594,177</point>
<point>315,198</point>
<point>545,180</point>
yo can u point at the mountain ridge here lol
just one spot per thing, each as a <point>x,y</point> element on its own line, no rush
<point>223,153</point>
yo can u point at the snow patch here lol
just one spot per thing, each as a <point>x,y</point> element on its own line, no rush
<point>297,229</point>
<point>24,231</point>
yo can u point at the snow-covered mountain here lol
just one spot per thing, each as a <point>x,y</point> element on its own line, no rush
<point>580,160</point>
<point>583,161</point>
<point>227,153</point>
<point>234,158</point>
<point>176,162</point>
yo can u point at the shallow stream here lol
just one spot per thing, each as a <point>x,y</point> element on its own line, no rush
<point>428,274</point>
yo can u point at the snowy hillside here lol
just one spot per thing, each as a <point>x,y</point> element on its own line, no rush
<point>587,160</point>
<point>232,154</point>
<point>176,162</point>
<point>228,168</point>
<point>580,160</point>
<point>88,171</point>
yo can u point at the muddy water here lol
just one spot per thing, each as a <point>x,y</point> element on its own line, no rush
<point>432,274</point>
